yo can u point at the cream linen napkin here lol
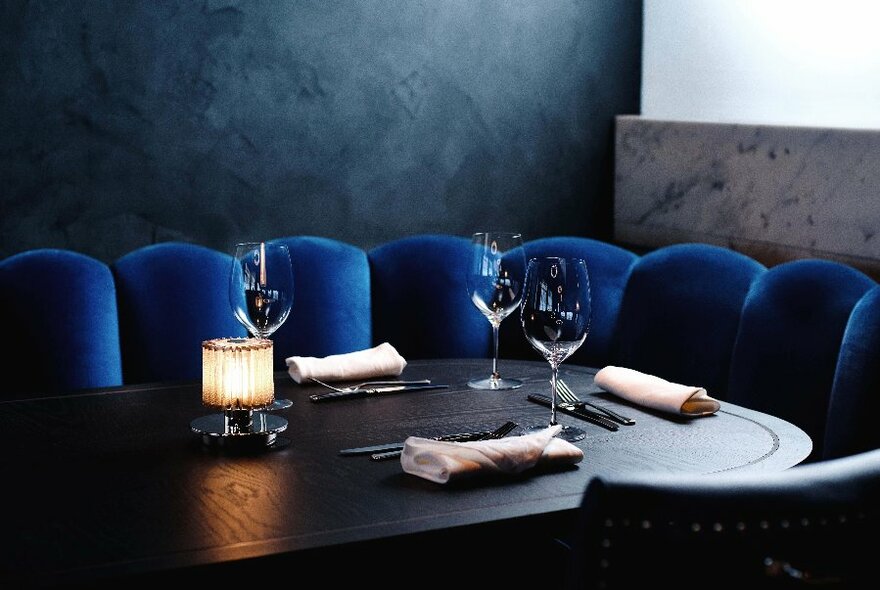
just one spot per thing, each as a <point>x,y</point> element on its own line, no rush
<point>379,361</point>
<point>441,461</point>
<point>654,392</point>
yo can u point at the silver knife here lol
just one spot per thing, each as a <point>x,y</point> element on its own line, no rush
<point>368,392</point>
<point>396,446</point>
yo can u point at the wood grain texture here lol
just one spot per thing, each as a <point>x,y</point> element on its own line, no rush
<point>106,485</point>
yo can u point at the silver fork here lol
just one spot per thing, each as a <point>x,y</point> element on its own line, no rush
<point>569,397</point>
<point>370,384</point>
<point>499,432</point>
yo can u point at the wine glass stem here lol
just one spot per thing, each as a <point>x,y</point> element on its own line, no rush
<point>495,374</point>
<point>554,373</point>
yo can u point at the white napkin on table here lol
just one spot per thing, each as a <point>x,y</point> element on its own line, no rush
<point>441,461</point>
<point>379,361</point>
<point>654,392</point>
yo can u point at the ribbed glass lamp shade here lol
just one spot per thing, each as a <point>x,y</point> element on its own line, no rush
<point>237,373</point>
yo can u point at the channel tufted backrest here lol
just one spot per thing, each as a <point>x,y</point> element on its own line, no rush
<point>807,526</point>
<point>789,339</point>
<point>851,426</point>
<point>61,322</point>
<point>680,313</point>
<point>609,267</point>
<point>172,297</point>
<point>331,302</point>
<point>420,299</point>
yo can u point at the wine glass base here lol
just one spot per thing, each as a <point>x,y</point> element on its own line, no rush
<point>568,433</point>
<point>490,383</point>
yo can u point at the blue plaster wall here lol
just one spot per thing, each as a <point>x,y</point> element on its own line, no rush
<point>126,123</point>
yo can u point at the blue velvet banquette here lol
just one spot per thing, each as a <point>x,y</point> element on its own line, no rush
<point>800,340</point>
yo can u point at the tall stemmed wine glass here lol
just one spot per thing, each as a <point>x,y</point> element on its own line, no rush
<point>555,316</point>
<point>261,291</point>
<point>261,286</point>
<point>494,283</point>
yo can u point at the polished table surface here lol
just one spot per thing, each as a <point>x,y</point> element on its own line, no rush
<point>113,483</point>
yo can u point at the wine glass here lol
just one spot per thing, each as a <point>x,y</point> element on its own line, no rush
<point>555,316</point>
<point>494,283</point>
<point>261,286</point>
<point>261,291</point>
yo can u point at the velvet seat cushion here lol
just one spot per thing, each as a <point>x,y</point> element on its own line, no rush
<point>61,318</point>
<point>331,311</point>
<point>851,426</point>
<point>681,311</point>
<point>172,297</point>
<point>609,268</point>
<point>420,300</point>
<point>787,347</point>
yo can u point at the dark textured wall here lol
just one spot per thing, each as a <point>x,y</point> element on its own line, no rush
<point>127,123</point>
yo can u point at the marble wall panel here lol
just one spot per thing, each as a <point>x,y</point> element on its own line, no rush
<point>775,193</point>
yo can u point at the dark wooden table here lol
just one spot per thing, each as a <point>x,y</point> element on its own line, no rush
<point>112,486</point>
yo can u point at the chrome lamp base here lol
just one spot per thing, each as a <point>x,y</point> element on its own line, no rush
<point>239,428</point>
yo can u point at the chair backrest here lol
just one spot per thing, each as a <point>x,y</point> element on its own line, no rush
<point>680,313</point>
<point>609,267</point>
<point>420,299</point>
<point>62,323</point>
<point>804,526</point>
<point>789,339</point>
<point>851,426</point>
<point>172,297</point>
<point>331,300</point>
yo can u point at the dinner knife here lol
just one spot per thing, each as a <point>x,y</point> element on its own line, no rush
<point>396,446</point>
<point>372,391</point>
<point>582,413</point>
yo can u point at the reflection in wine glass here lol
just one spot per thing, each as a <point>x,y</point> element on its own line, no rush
<point>494,283</point>
<point>261,286</point>
<point>555,316</point>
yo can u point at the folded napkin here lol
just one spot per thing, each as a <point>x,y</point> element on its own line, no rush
<point>379,361</point>
<point>654,392</point>
<point>441,461</point>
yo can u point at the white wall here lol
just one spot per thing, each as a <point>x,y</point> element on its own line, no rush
<point>782,62</point>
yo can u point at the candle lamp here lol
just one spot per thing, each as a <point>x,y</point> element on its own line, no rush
<point>237,379</point>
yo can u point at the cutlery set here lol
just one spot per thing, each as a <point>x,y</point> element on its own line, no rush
<point>582,413</point>
<point>568,403</point>
<point>569,398</point>
<point>499,432</point>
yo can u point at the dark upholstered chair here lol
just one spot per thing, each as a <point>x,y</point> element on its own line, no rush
<point>680,313</point>
<point>172,296</point>
<point>420,300</point>
<point>787,347</point>
<point>851,426</point>
<point>808,526</point>
<point>331,302</point>
<point>61,322</point>
<point>609,267</point>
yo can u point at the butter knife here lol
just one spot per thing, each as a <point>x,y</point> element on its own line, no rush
<point>582,413</point>
<point>369,392</point>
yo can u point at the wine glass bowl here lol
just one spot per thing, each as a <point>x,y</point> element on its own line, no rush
<point>261,286</point>
<point>494,283</point>
<point>555,315</point>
